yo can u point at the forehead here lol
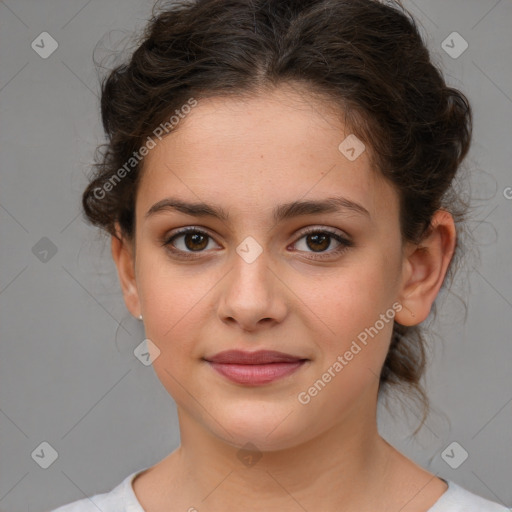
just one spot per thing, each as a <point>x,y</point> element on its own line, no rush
<point>259,151</point>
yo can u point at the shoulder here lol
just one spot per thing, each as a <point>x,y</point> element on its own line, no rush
<point>458,499</point>
<point>119,499</point>
<point>104,502</point>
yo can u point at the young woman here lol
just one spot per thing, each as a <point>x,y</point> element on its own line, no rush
<point>278,187</point>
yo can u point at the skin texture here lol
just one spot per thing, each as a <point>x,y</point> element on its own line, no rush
<point>248,157</point>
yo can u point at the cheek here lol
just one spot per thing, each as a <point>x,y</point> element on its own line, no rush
<point>351,339</point>
<point>176,301</point>
<point>346,307</point>
<point>171,305</point>
<point>168,298</point>
<point>172,311</point>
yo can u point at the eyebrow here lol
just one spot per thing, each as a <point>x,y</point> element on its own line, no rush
<point>280,212</point>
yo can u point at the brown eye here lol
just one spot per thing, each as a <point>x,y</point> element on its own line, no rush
<point>195,241</point>
<point>318,241</point>
<point>188,241</point>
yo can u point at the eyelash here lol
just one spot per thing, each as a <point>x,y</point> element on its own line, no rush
<point>345,243</point>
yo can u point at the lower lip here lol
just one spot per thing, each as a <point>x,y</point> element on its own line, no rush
<point>256,374</point>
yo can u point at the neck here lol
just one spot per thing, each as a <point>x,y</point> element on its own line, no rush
<point>335,470</point>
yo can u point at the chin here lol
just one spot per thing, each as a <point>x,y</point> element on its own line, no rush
<point>268,430</point>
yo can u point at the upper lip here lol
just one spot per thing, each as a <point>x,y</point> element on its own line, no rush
<point>258,357</point>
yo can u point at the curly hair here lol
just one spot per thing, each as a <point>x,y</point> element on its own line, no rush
<point>365,58</point>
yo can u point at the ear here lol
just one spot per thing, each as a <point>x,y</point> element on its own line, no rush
<point>424,268</point>
<point>122,254</point>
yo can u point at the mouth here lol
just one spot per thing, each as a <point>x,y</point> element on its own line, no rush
<point>255,368</point>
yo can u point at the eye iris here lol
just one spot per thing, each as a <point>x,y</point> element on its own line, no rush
<point>195,237</point>
<point>316,238</point>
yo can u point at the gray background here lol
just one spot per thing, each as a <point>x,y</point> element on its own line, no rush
<point>68,374</point>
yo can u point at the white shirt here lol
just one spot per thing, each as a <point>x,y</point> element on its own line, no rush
<point>122,499</point>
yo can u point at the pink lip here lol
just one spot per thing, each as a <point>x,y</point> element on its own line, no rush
<point>255,368</point>
<point>258,357</point>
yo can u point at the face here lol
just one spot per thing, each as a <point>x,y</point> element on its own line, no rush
<point>305,282</point>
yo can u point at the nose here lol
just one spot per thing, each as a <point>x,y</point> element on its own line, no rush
<point>252,296</point>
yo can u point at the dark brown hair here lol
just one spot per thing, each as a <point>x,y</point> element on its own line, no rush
<point>364,58</point>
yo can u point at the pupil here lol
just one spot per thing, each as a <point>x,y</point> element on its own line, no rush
<point>316,238</point>
<point>194,237</point>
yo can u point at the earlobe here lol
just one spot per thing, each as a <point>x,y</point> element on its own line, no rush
<point>123,258</point>
<point>424,269</point>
